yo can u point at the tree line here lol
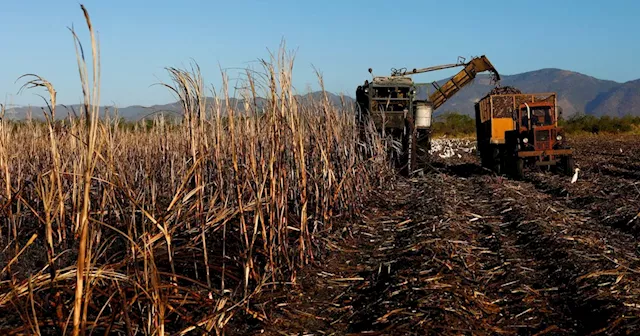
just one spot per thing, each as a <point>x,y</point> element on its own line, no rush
<point>452,123</point>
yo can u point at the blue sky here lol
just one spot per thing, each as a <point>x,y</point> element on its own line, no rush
<point>340,38</point>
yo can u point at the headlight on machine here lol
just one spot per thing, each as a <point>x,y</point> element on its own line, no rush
<point>558,137</point>
<point>525,140</point>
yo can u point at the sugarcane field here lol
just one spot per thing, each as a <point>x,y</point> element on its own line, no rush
<point>183,190</point>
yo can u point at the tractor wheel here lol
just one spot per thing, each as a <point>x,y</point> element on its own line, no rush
<point>423,146</point>
<point>485,157</point>
<point>413,160</point>
<point>496,161</point>
<point>568,165</point>
<point>409,148</point>
<point>518,168</point>
<point>413,155</point>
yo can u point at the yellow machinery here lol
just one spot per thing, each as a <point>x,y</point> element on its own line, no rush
<point>514,130</point>
<point>462,78</point>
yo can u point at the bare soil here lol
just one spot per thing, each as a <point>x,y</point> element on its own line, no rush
<point>463,251</point>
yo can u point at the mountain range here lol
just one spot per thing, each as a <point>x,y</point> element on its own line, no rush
<point>577,94</point>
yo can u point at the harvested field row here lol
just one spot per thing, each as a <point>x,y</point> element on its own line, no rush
<point>463,251</point>
<point>608,186</point>
<point>591,267</point>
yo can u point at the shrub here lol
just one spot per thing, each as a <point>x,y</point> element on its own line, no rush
<point>582,123</point>
<point>453,124</point>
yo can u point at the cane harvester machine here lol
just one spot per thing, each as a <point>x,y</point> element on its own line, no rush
<point>391,102</point>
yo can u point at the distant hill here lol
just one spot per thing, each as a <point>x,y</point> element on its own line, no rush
<point>137,112</point>
<point>577,93</point>
<point>574,90</point>
<point>621,100</point>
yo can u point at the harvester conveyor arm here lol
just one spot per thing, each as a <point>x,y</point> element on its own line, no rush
<point>462,78</point>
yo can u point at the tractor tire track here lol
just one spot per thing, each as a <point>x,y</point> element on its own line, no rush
<point>612,201</point>
<point>461,251</point>
<point>592,268</point>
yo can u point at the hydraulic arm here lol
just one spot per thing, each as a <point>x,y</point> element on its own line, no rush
<point>462,78</point>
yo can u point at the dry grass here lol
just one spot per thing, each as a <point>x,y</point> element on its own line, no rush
<point>175,228</point>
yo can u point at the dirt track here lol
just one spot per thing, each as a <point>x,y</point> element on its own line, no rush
<point>468,252</point>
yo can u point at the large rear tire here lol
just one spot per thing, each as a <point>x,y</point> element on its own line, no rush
<point>518,169</point>
<point>568,165</point>
<point>496,160</point>
<point>413,158</point>
<point>485,160</point>
<point>409,148</point>
<point>423,141</point>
